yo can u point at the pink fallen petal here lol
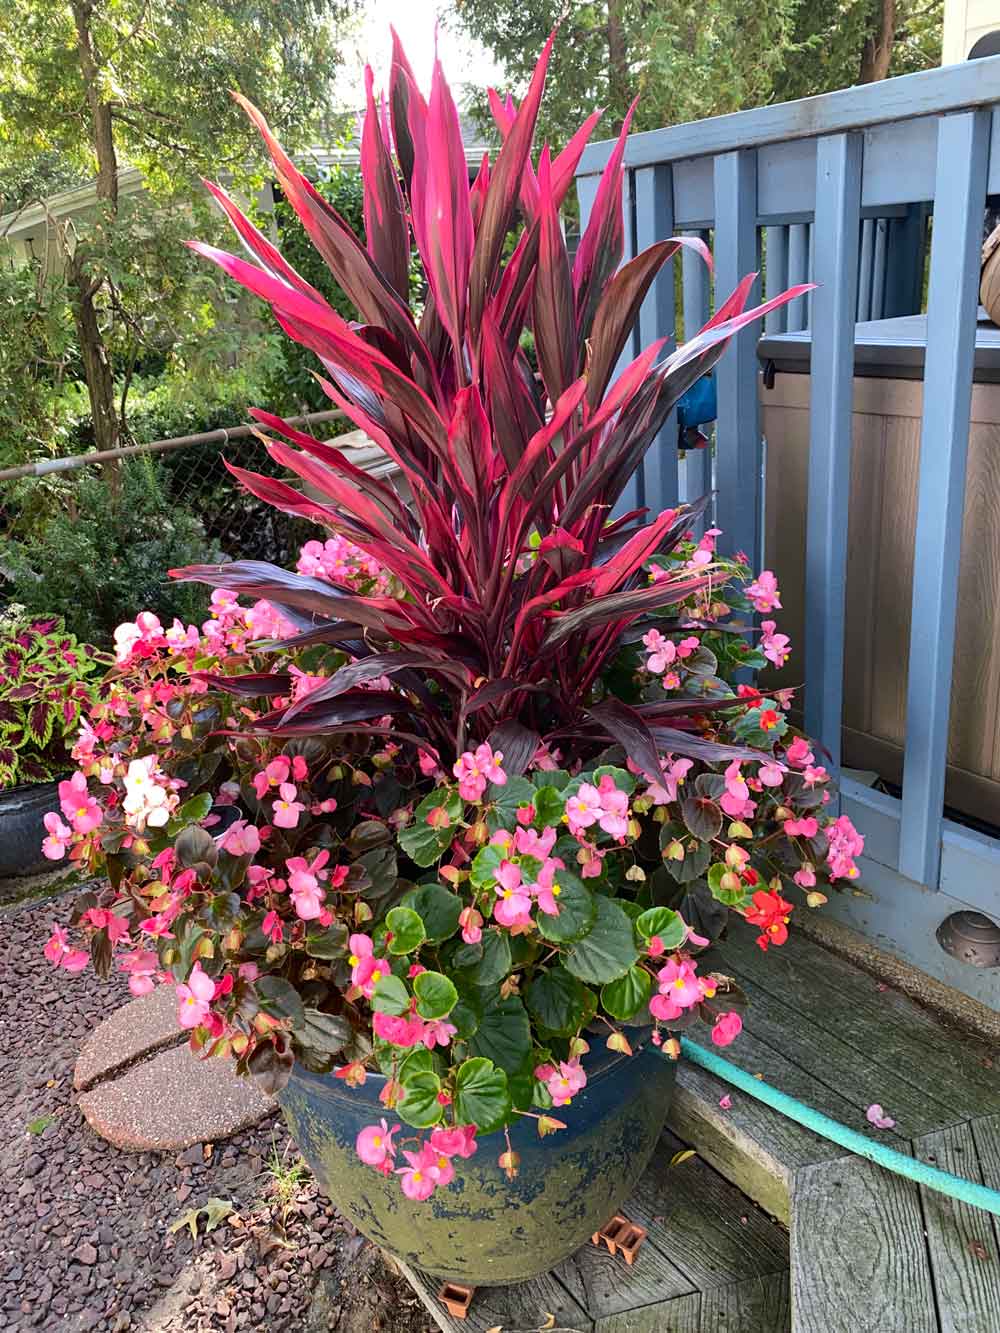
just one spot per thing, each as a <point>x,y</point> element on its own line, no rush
<point>726,1102</point>
<point>877,1117</point>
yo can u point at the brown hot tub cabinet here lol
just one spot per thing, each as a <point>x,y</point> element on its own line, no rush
<point>888,398</point>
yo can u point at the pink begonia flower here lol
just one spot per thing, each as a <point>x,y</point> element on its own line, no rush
<point>273,928</point>
<point>397,1029</point>
<point>366,970</point>
<point>513,903</point>
<point>876,1116</point>
<point>286,808</point>
<point>735,800</point>
<point>678,980</point>
<point>305,889</point>
<point>584,808</point>
<point>771,773</point>
<point>437,1032</point>
<point>428,763</point>
<point>303,684</point>
<point>688,646</point>
<point>775,647</point>
<point>545,760</point>
<point>798,754</point>
<point>811,775</point>
<point>844,844</point>
<point>375,1147</point>
<point>528,842</point>
<point>590,860</point>
<point>79,807</point>
<point>674,773</point>
<point>807,827</point>
<point>614,808</point>
<point>272,775</point>
<point>102,919</point>
<point>763,592</point>
<point>59,953</point>
<point>241,839</point>
<point>728,1027</point>
<point>662,652</point>
<point>475,770</point>
<point>194,998</point>
<point>563,1083</point>
<point>545,889</point>
<point>525,814</point>
<point>419,1180</point>
<point>458,1142</point>
<point>471,922</point>
<point>141,966</point>
<point>663,1008</point>
<point>805,876</point>
<point>60,836</point>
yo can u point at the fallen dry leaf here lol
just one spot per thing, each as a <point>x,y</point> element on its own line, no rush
<point>978,1249</point>
<point>681,1156</point>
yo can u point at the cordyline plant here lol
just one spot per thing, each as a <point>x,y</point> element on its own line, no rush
<point>490,786</point>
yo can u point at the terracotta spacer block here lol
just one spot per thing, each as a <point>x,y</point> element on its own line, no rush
<point>621,1235</point>
<point>455,1298</point>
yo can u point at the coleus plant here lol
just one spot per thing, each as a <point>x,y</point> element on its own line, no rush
<point>47,679</point>
<point>490,786</point>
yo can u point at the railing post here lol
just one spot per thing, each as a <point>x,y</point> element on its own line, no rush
<point>798,272</point>
<point>654,221</point>
<point>834,305</point>
<point>738,443</point>
<point>959,195</point>
<point>776,274</point>
<point>696,469</point>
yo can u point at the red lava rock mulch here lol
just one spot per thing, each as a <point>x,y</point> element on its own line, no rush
<point>84,1227</point>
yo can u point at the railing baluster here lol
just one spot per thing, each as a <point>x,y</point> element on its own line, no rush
<point>959,195</point>
<point>880,266</point>
<point>836,236</point>
<point>798,270</point>
<point>776,275</point>
<point>738,445</point>
<point>865,270</point>
<point>696,469</point>
<point>654,221</point>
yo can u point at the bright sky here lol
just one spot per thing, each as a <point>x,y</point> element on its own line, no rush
<point>465,62</point>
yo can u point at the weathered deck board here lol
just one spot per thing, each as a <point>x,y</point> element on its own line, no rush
<point>888,1030</point>
<point>603,1286</point>
<point>682,1315</point>
<point>859,1260</point>
<point>707,1228</point>
<point>758,1305</point>
<point>961,1239</point>
<point>524,1306</point>
<point>821,1030</point>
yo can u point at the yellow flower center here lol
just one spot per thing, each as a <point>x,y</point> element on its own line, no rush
<point>418,1175</point>
<point>556,890</point>
<point>679,983</point>
<point>377,975</point>
<point>377,1140</point>
<point>354,960</point>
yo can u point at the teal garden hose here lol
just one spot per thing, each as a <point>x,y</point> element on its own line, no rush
<point>955,1187</point>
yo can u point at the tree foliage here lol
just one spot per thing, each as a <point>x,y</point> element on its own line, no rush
<point>686,60</point>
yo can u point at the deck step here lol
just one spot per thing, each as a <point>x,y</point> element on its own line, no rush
<point>869,1251</point>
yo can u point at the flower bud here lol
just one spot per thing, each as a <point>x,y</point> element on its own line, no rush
<point>548,1124</point>
<point>815,899</point>
<point>674,850</point>
<point>577,1047</point>
<point>737,829</point>
<point>619,1042</point>
<point>635,875</point>
<point>509,1162</point>
<point>672,1048</point>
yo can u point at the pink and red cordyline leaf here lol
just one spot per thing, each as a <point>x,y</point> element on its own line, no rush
<point>553,318</point>
<point>386,229</point>
<point>602,243</point>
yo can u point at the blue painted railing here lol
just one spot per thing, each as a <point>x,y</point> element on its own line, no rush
<point>838,189</point>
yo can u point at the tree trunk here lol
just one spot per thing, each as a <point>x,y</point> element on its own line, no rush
<point>619,84</point>
<point>876,54</point>
<point>84,276</point>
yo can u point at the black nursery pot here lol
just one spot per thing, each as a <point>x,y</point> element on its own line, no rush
<point>22,827</point>
<point>483,1229</point>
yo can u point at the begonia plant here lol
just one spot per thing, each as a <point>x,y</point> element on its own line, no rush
<point>474,787</point>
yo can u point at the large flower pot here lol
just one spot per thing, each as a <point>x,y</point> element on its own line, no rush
<point>483,1229</point>
<point>22,827</point>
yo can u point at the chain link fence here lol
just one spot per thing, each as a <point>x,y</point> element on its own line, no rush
<point>169,500</point>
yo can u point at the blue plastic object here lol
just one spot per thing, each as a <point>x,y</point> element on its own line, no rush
<point>967,1191</point>
<point>698,405</point>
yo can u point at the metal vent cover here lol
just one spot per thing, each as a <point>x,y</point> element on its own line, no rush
<point>971,938</point>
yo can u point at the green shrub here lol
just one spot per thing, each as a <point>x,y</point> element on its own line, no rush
<point>102,548</point>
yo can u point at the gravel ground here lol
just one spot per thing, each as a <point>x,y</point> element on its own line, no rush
<point>84,1227</point>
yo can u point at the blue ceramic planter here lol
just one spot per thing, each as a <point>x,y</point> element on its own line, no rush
<point>482,1229</point>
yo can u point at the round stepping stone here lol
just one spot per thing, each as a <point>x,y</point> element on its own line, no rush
<point>138,1028</point>
<point>139,1096</point>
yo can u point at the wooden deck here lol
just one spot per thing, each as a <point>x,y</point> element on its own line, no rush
<point>865,1252</point>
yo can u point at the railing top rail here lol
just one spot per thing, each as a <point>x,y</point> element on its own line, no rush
<point>975,83</point>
